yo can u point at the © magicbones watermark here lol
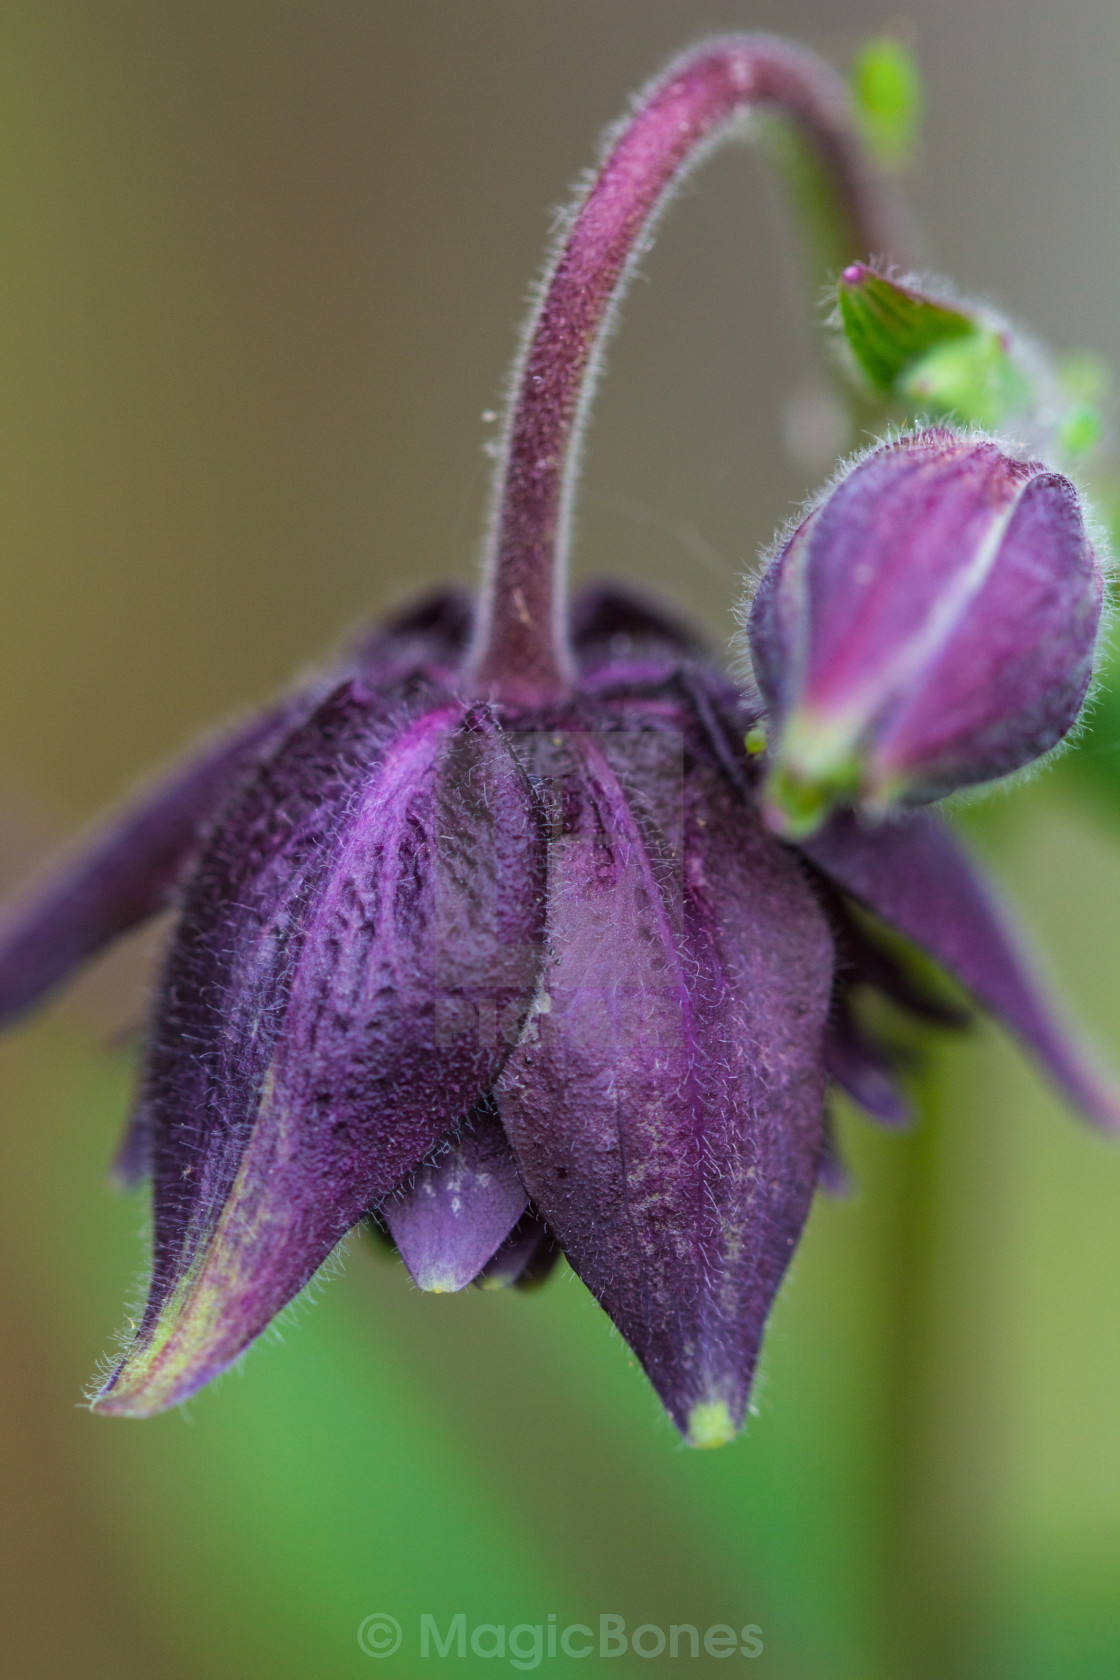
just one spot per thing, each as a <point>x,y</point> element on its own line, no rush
<point>527,1644</point>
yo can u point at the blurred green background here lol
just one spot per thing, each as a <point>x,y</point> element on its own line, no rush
<point>262,269</point>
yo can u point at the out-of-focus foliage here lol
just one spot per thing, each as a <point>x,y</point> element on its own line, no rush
<point>887,98</point>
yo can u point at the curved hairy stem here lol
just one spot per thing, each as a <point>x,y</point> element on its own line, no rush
<point>520,651</point>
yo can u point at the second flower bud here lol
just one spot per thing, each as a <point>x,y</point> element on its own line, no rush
<point>929,625</point>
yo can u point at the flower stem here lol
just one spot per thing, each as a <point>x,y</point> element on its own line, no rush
<point>520,652</point>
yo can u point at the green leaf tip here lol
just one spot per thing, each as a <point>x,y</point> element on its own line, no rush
<point>887,99</point>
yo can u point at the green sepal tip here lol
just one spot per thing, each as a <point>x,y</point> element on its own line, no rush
<point>888,326</point>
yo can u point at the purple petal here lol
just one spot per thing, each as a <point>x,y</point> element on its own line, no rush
<point>126,870</point>
<point>524,1260</point>
<point>862,959</point>
<point>835,1179</point>
<point>459,1208</point>
<point>1009,684</point>
<point>612,624</point>
<point>666,1112</point>
<point>359,953</point>
<point>913,873</point>
<point>132,1162</point>
<point>428,633</point>
<point>862,1070</point>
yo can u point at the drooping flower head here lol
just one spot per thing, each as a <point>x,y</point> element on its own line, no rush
<point>485,939</point>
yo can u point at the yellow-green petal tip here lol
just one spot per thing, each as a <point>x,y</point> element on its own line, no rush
<point>710,1424</point>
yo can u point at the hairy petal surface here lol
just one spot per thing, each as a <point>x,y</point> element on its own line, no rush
<point>128,869</point>
<point>384,953</point>
<point>913,873</point>
<point>665,1104</point>
<point>458,1209</point>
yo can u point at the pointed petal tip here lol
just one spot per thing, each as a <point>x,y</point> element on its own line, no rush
<point>108,1404</point>
<point>199,1332</point>
<point>151,1378</point>
<point>438,1283</point>
<point>711,1423</point>
<point>135,1390</point>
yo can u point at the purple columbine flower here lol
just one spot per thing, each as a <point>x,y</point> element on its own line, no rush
<point>484,939</point>
<point>928,625</point>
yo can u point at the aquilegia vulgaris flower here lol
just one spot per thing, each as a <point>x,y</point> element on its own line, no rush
<point>503,936</point>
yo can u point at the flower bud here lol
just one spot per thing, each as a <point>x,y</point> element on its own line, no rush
<point>929,625</point>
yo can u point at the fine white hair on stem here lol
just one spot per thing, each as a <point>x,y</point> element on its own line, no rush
<point>710,94</point>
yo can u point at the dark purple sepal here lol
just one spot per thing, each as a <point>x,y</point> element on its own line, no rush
<point>457,1210</point>
<point>353,977</point>
<point>128,869</point>
<point>912,872</point>
<point>665,1103</point>
<point>903,976</point>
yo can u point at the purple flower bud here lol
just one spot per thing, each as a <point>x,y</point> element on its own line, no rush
<point>930,624</point>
